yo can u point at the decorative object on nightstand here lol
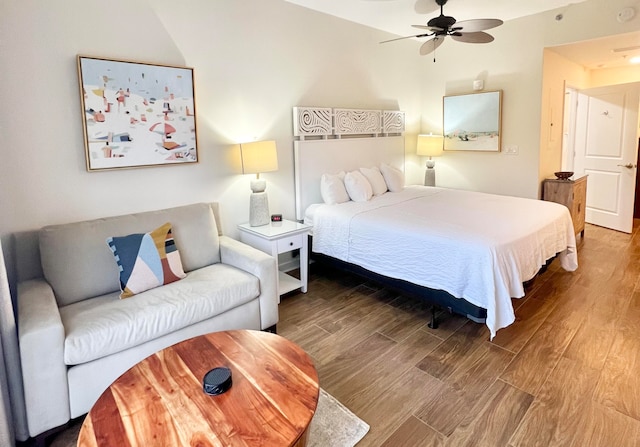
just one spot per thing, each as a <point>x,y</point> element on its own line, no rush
<point>257,157</point>
<point>431,146</point>
<point>570,193</point>
<point>281,237</point>
<point>563,175</point>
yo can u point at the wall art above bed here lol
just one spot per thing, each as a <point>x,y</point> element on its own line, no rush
<point>136,114</point>
<point>323,122</point>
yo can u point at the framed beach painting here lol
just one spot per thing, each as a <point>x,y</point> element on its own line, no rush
<point>472,122</point>
<point>136,114</point>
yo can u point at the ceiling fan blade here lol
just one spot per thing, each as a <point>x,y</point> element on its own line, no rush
<point>407,37</point>
<point>430,45</point>
<point>479,37</point>
<point>472,26</point>
<point>433,29</point>
<point>425,6</point>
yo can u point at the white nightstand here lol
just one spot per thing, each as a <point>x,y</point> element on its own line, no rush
<point>281,237</point>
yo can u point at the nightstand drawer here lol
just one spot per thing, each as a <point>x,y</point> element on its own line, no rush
<point>289,243</point>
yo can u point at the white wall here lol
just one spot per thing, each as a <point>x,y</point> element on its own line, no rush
<point>254,60</point>
<point>615,75</point>
<point>513,63</point>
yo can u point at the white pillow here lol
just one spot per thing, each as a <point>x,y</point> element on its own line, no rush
<point>332,188</point>
<point>393,177</point>
<point>358,187</point>
<point>376,179</point>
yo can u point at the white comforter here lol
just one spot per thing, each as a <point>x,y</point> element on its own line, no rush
<point>476,246</point>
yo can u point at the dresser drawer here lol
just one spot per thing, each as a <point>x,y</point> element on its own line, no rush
<point>289,243</point>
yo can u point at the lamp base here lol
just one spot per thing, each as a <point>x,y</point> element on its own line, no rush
<point>258,185</point>
<point>258,209</point>
<point>430,177</point>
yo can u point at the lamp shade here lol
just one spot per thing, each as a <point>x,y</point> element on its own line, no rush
<point>259,156</point>
<point>430,145</point>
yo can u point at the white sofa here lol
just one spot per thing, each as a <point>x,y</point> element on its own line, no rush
<point>77,336</point>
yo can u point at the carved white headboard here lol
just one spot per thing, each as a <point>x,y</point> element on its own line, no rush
<point>333,140</point>
<point>323,122</point>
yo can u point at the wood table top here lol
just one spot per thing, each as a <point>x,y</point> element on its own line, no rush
<point>161,402</point>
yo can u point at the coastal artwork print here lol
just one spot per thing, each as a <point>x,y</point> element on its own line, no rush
<point>472,122</point>
<point>136,114</point>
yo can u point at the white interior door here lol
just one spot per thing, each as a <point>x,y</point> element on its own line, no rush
<point>606,144</point>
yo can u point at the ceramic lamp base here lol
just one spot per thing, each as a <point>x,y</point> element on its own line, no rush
<point>430,177</point>
<point>258,209</point>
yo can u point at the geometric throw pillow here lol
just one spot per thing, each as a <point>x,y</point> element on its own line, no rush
<point>146,260</point>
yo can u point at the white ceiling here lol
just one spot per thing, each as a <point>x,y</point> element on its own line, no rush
<point>397,16</point>
<point>606,52</point>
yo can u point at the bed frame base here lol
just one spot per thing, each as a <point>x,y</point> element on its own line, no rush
<point>438,298</point>
<point>433,324</point>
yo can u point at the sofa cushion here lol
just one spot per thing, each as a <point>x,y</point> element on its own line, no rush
<point>79,265</point>
<point>105,325</point>
<point>146,260</point>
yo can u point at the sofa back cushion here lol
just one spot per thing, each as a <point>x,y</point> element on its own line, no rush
<point>79,264</point>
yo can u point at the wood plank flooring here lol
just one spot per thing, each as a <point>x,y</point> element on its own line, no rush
<point>566,373</point>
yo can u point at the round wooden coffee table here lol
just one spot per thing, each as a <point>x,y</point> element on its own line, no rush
<point>160,401</point>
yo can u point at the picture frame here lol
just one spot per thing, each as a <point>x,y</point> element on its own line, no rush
<point>136,114</point>
<point>473,121</point>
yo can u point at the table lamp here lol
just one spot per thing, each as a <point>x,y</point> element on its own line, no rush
<point>257,157</point>
<point>431,146</point>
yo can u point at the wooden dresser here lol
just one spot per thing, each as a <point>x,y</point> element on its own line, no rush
<point>572,194</point>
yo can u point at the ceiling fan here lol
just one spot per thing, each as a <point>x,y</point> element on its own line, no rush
<point>468,31</point>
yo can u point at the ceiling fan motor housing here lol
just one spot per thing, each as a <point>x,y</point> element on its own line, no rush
<point>442,22</point>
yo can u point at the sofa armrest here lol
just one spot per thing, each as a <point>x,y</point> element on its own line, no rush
<point>260,264</point>
<point>44,373</point>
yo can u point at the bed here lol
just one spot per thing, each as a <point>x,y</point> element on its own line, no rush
<point>466,251</point>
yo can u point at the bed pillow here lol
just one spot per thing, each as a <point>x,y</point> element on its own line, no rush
<point>332,188</point>
<point>393,177</point>
<point>375,178</point>
<point>146,260</point>
<point>358,187</point>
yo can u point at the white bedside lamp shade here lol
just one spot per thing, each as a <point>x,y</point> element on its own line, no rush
<point>430,146</point>
<point>257,157</point>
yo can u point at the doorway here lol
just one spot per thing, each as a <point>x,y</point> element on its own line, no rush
<point>602,143</point>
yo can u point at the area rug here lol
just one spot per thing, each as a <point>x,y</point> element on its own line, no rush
<point>333,425</point>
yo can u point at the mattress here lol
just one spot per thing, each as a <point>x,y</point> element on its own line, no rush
<point>476,246</point>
